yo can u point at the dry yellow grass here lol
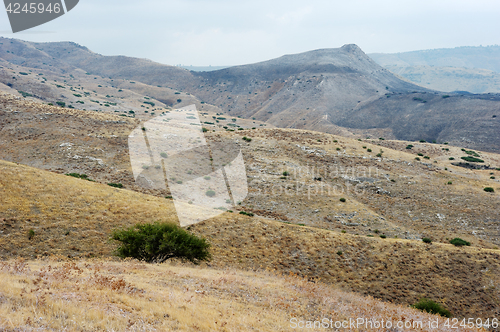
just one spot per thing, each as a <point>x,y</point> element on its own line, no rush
<point>97,295</point>
<point>69,216</point>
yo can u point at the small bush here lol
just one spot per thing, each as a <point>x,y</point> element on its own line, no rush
<point>116,185</point>
<point>427,157</point>
<point>427,240</point>
<point>420,154</point>
<point>247,139</point>
<point>210,193</point>
<point>422,141</point>
<point>204,129</point>
<point>458,242</point>
<point>492,177</point>
<point>451,158</point>
<point>473,159</point>
<point>369,150</point>
<point>431,307</point>
<point>489,190</point>
<point>409,147</point>
<point>342,200</point>
<point>61,103</point>
<point>285,173</point>
<point>250,214</point>
<point>160,241</point>
<point>449,182</point>
<point>383,236</point>
<point>31,234</point>
<point>417,158</point>
<point>164,155</point>
<point>80,176</point>
<point>340,253</point>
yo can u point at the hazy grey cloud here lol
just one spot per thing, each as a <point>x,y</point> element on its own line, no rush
<point>223,32</point>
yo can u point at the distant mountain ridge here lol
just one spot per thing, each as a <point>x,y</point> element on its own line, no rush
<point>472,69</point>
<point>483,57</point>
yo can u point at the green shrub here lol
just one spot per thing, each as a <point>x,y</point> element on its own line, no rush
<point>160,241</point>
<point>164,155</point>
<point>449,182</point>
<point>431,307</point>
<point>420,154</point>
<point>116,185</point>
<point>340,253</point>
<point>427,157</point>
<point>369,150</point>
<point>422,141</point>
<point>250,214</point>
<point>473,159</point>
<point>204,129</point>
<point>31,234</point>
<point>247,139</point>
<point>25,94</point>
<point>383,236</point>
<point>409,147</point>
<point>210,193</point>
<point>489,190</point>
<point>458,242</point>
<point>80,176</point>
<point>427,240</point>
<point>342,199</point>
<point>61,103</point>
<point>285,173</point>
<point>451,158</point>
<point>417,158</point>
<point>492,177</point>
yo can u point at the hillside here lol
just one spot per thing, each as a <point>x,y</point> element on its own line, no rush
<point>133,296</point>
<point>320,90</point>
<point>363,244</point>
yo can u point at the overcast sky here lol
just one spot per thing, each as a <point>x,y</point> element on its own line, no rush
<point>232,32</point>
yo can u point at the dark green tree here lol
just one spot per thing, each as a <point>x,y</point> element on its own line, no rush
<point>158,242</point>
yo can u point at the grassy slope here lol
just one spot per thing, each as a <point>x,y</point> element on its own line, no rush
<point>402,271</point>
<point>69,216</point>
<point>131,296</point>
